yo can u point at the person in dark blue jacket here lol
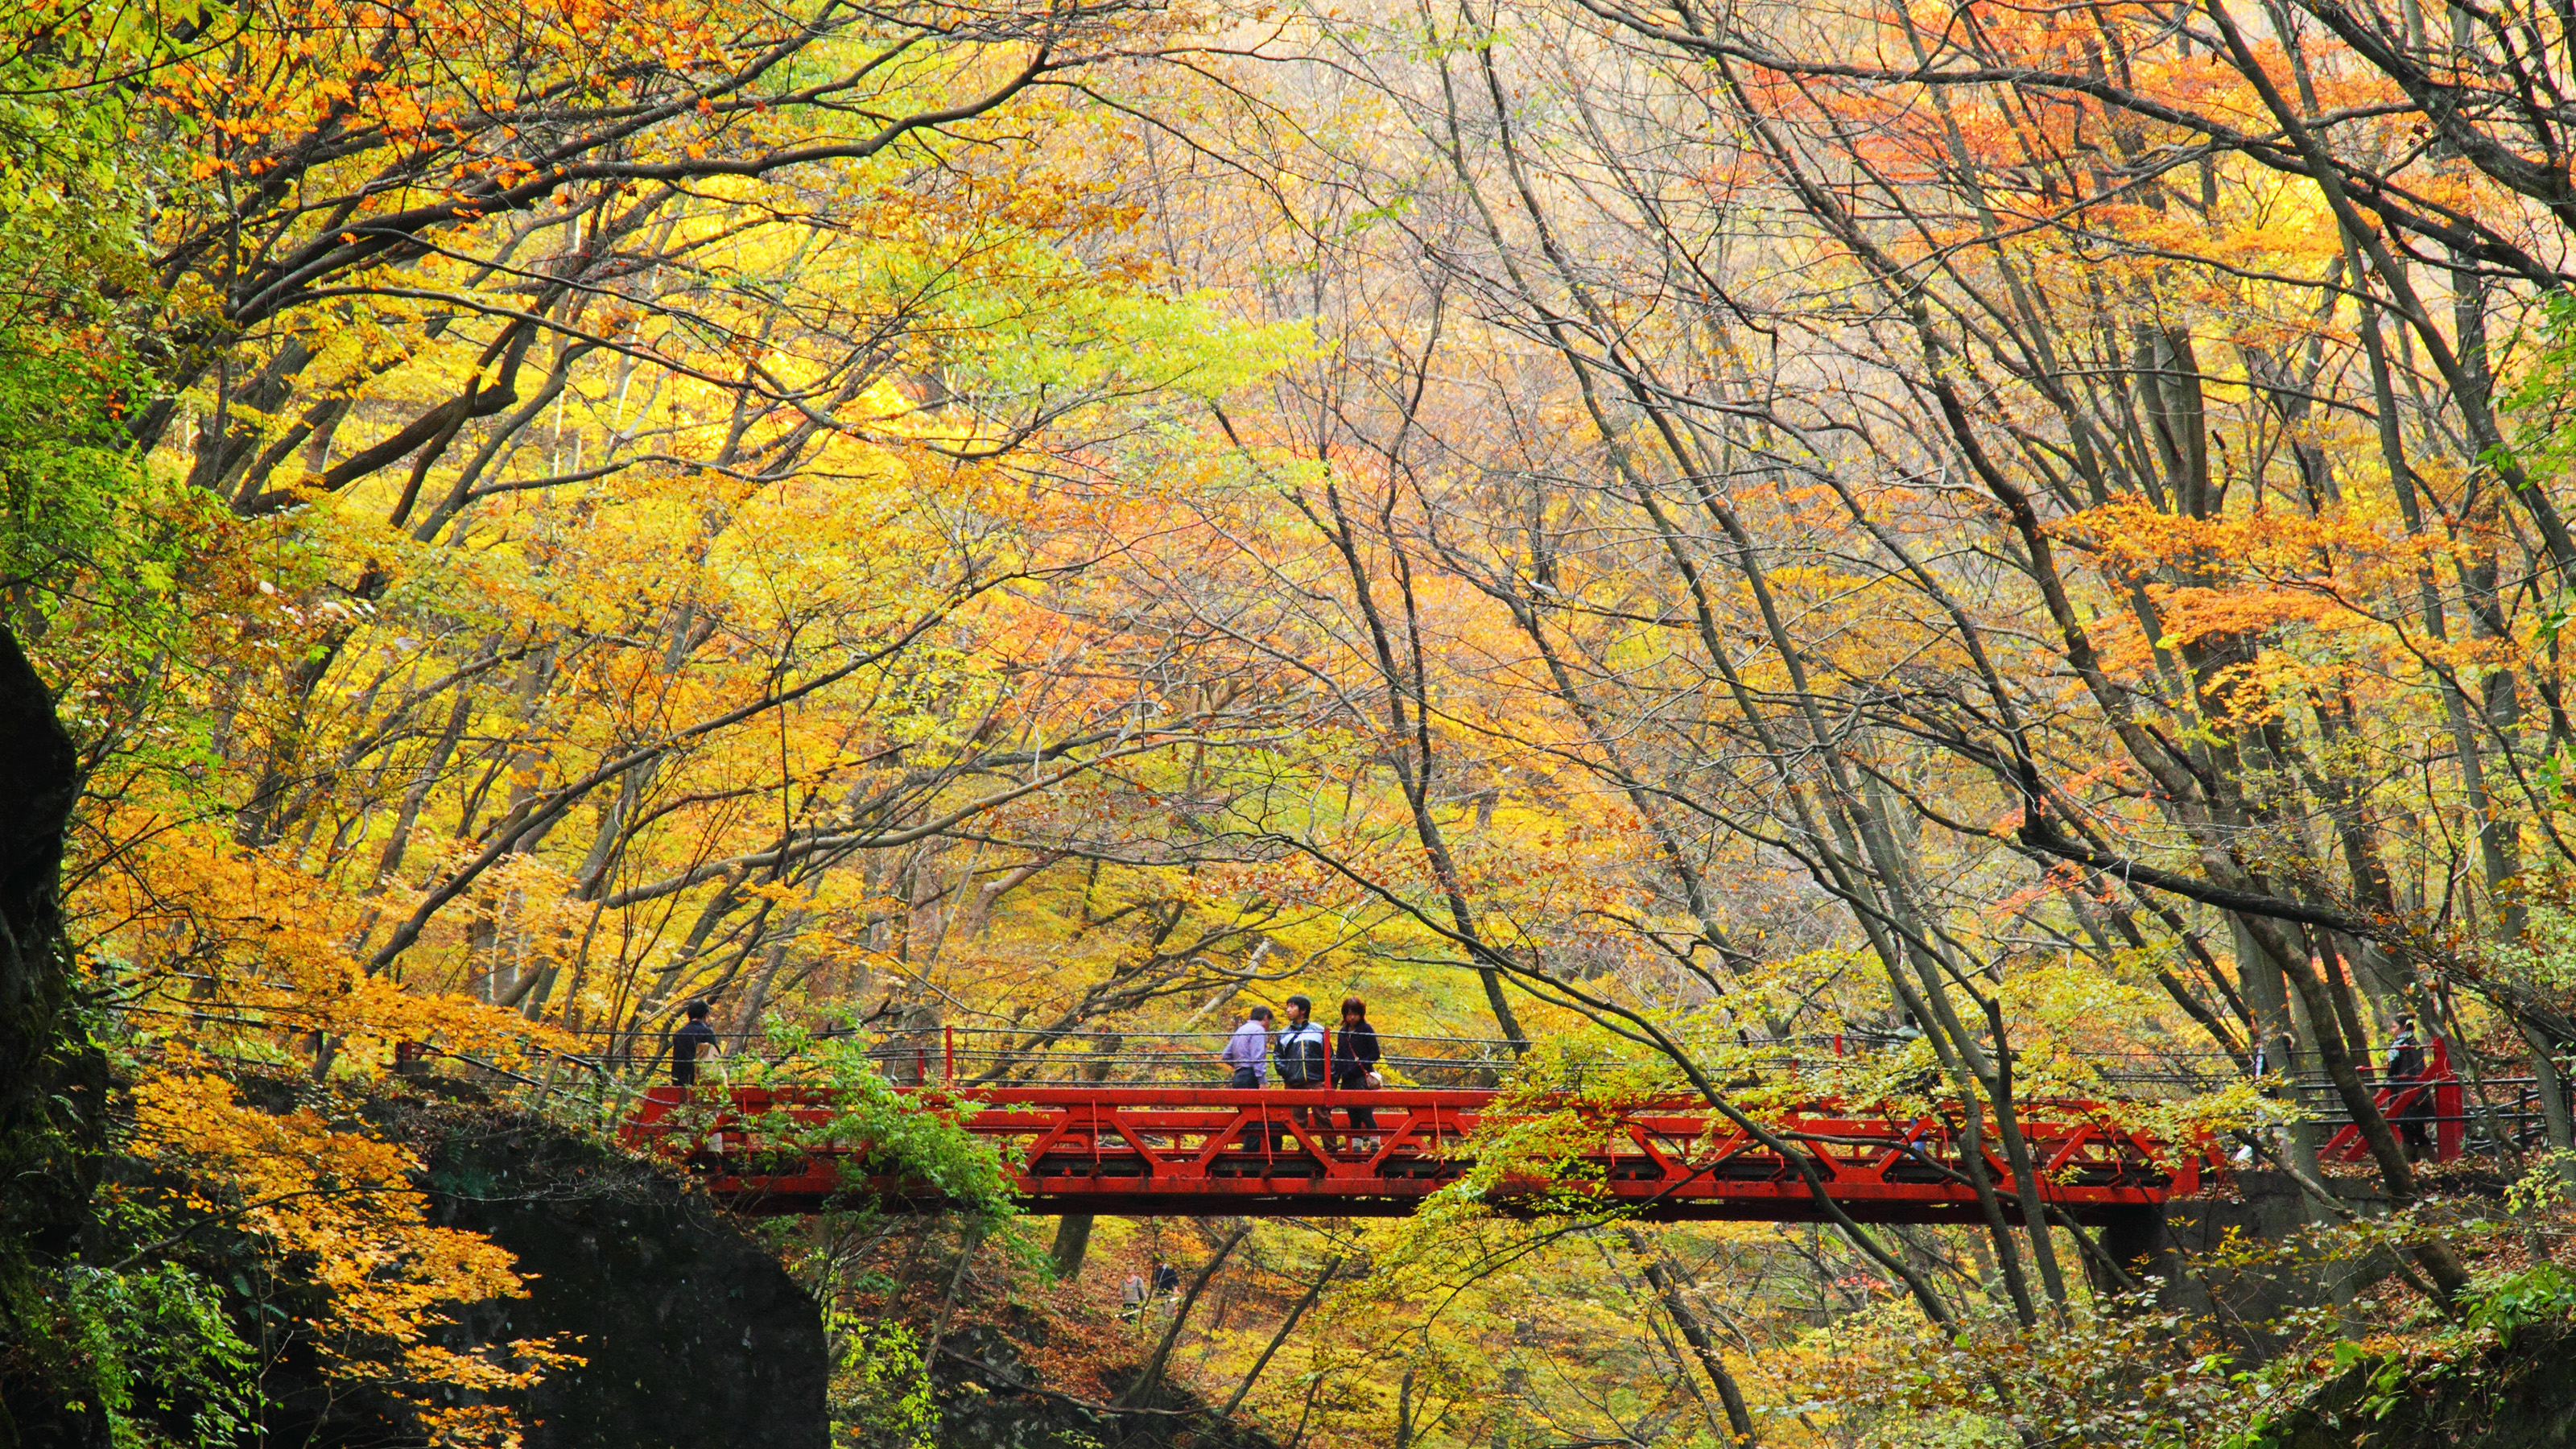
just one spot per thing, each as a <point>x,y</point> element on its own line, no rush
<point>1305,1052</point>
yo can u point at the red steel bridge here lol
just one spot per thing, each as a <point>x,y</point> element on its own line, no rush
<point>1110,1131</point>
<point>1121,1148</point>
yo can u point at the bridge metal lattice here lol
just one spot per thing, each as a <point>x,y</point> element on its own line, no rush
<point>1119,1148</point>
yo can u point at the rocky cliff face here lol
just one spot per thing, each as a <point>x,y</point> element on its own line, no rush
<point>694,1336</point>
<point>2520,1395</point>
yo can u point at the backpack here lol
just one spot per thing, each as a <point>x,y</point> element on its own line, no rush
<point>2405,1058</point>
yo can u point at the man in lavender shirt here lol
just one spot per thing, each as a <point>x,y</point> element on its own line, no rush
<point>1248,1050</point>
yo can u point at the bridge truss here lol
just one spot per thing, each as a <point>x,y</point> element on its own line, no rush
<point>1129,1149</point>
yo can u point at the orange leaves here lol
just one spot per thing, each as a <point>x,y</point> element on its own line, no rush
<point>387,83</point>
<point>2252,574</point>
<point>336,1206</point>
<point>214,929</point>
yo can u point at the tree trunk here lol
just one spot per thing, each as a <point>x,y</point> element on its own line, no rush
<point>1667,1284</point>
<point>1072,1244</point>
<point>1140,1394</point>
<point>1287,1326</point>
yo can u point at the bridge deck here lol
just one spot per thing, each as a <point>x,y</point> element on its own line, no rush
<point>1183,1151</point>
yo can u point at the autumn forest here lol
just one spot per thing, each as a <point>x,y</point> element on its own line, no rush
<point>1949,554</point>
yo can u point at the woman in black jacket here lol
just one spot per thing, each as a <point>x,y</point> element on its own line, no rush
<point>1355,1061</point>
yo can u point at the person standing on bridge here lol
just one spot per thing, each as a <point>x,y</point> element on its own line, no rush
<point>2405,1064</point>
<point>1355,1059</point>
<point>2272,1063</point>
<point>1305,1058</point>
<point>1248,1050</point>
<point>688,1042</point>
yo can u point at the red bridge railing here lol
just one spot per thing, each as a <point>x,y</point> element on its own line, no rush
<point>2431,1098</point>
<point>1119,1148</point>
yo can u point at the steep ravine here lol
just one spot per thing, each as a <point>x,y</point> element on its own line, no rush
<point>694,1336</point>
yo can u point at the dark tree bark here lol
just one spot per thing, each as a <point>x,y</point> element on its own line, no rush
<point>52,1080</point>
<point>1072,1245</point>
<point>36,792</point>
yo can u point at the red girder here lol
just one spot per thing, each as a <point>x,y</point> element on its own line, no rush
<point>2432,1094</point>
<point>1187,1151</point>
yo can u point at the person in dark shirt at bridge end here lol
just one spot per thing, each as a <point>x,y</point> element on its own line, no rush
<point>2405,1075</point>
<point>2405,1053</point>
<point>688,1042</point>
<point>1355,1059</point>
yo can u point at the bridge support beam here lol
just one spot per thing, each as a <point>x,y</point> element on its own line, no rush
<point>2266,1207</point>
<point>2139,1240</point>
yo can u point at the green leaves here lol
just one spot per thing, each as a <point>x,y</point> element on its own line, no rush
<point>169,1368</point>
<point>90,542</point>
<point>881,1391</point>
<point>907,1137</point>
<point>2541,1293</point>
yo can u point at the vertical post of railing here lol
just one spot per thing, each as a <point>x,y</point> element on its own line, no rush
<point>948,1070</point>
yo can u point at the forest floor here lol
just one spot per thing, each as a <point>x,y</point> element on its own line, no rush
<point>1024,1361</point>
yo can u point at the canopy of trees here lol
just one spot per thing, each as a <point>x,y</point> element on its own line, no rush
<point>1634,533</point>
